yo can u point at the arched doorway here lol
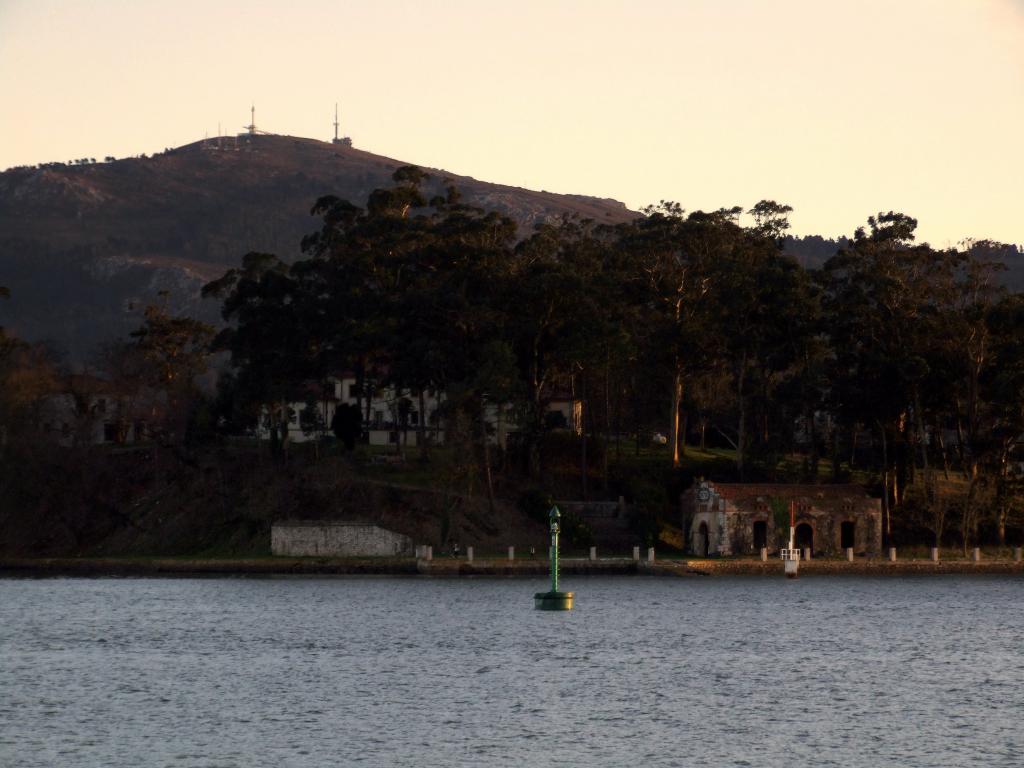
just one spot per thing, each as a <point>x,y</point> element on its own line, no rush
<point>760,535</point>
<point>703,540</point>
<point>805,537</point>
<point>847,535</point>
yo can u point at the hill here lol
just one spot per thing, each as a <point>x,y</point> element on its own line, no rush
<point>813,251</point>
<point>84,248</point>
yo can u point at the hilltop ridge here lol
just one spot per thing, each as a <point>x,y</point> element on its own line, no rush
<point>84,247</point>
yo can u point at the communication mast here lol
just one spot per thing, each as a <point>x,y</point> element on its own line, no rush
<point>251,127</point>
<point>344,140</point>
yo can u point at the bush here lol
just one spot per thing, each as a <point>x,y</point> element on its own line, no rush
<point>575,532</point>
<point>561,451</point>
<point>646,516</point>
<point>535,504</point>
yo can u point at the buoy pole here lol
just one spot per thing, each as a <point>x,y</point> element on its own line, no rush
<point>554,516</point>
<point>553,600</point>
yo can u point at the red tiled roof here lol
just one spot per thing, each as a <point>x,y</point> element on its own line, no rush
<point>788,490</point>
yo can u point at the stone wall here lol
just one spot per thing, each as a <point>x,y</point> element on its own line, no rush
<point>720,518</point>
<point>826,529</point>
<point>310,538</point>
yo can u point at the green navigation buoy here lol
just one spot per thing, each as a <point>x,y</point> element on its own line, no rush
<point>553,600</point>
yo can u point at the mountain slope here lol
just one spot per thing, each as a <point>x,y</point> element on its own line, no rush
<point>84,248</point>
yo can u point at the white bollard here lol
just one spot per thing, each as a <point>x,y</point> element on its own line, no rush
<point>849,554</point>
<point>650,554</point>
<point>892,554</point>
<point>636,554</point>
<point>935,554</point>
<point>469,554</point>
<point>976,555</point>
<point>807,553</point>
<point>764,554</point>
<point>593,554</point>
<point>430,552</point>
<point>511,553</point>
<point>1016,554</point>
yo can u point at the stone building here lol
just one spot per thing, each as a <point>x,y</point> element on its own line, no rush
<point>332,538</point>
<point>741,518</point>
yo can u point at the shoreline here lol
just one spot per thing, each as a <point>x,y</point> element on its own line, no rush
<point>325,566</point>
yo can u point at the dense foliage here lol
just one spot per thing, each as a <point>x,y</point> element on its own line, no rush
<point>896,365</point>
<point>895,359</point>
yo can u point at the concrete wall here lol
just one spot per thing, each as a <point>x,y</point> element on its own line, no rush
<point>306,538</point>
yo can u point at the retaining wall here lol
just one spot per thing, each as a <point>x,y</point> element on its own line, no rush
<point>314,538</point>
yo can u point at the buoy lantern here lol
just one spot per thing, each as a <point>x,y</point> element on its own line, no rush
<point>553,600</point>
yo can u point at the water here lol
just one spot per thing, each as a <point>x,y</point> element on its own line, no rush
<point>425,672</point>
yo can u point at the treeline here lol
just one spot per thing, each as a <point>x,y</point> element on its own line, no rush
<point>895,358</point>
<point>895,365</point>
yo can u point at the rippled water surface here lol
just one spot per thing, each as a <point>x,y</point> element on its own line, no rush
<point>422,672</point>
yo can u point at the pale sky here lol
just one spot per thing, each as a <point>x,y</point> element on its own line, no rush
<point>841,108</point>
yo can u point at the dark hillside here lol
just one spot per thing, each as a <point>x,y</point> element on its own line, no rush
<point>813,250</point>
<point>84,247</point>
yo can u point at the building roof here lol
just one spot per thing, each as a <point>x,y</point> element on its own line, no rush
<point>740,491</point>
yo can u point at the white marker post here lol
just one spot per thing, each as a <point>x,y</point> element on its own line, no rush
<point>791,555</point>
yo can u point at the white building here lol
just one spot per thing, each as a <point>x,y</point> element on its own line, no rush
<point>391,416</point>
<point>398,416</point>
<point>92,411</point>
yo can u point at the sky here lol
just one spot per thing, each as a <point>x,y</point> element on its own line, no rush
<point>840,108</point>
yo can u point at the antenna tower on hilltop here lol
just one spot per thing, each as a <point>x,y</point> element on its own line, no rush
<point>344,140</point>
<point>251,127</point>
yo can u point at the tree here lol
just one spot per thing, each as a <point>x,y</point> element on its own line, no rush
<point>347,424</point>
<point>271,341</point>
<point>881,295</point>
<point>1003,383</point>
<point>563,311</point>
<point>671,258</point>
<point>176,351</point>
<point>765,314</point>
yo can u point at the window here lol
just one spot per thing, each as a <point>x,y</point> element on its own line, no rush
<point>378,419</point>
<point>111,434</point>
<point>101,405</point>
<point>414,418</point>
